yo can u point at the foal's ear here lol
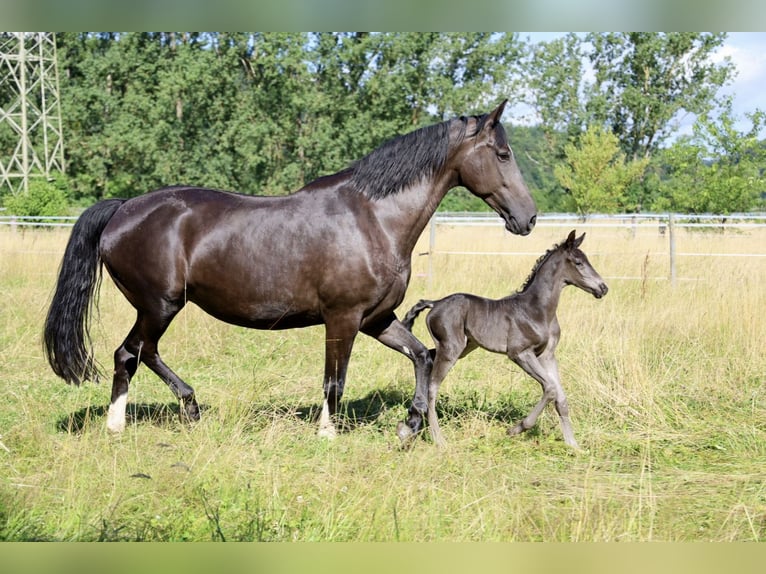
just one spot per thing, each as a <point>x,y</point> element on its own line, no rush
<point>494,115</point>
<point>572,241</point>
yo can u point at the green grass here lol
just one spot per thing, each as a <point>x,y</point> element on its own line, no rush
<point>665,385</point>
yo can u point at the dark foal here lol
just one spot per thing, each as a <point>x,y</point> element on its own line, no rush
<point>523,326</point>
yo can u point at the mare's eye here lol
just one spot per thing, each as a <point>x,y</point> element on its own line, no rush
<point>504,155</point>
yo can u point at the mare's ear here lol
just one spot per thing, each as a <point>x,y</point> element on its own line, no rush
<point>579,240</point>
<point>494,115</point>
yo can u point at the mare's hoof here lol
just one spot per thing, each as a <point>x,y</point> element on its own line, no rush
<point>328,432</point>
<point>190,413</point>
<point>115,428</point>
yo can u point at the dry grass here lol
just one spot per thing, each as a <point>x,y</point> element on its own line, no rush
<point>665,384</point>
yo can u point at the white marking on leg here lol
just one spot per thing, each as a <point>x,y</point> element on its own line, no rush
<point>326,428</point>
<point>406,350</point>
<point>115,420</point>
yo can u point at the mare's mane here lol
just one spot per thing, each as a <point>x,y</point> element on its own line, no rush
<point>407,158</point>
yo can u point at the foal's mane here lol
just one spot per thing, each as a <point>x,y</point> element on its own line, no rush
<point>539,263</point>
<point>407,158</point>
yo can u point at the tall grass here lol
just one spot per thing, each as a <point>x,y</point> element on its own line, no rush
<point>665,384</point>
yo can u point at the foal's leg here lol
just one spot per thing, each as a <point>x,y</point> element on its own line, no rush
<point>534,368</point>
<point>548,360</point>
<point>445,358</point>
<point>340,333</point>
<point>396,336</point>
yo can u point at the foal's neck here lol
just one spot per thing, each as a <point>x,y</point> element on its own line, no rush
<point>544,289</point>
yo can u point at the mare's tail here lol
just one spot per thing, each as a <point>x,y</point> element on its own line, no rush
<point>412,314</point>
<point>66,338</point>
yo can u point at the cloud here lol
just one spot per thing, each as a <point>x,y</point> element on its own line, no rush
<point>748,57</point>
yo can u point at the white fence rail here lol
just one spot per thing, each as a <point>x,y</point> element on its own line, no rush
<point>664,224</point>
<point>28,221</point>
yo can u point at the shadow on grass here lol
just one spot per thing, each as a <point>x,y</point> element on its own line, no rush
<point>158,414</point>
<point>353,414</point>
<point>503,411</point>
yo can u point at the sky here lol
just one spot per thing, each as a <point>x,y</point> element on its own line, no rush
<point>747,51</point>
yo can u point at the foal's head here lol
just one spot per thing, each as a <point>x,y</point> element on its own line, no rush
<point>577,269</point>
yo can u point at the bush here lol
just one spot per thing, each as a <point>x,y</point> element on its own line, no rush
<point>42,199</point>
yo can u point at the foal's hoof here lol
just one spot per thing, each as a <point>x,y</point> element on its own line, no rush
<point>327,432</point>
<point>405,434</point>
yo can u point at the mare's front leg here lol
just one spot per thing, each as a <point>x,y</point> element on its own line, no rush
<point>396,336</point>
<point>340,333</point>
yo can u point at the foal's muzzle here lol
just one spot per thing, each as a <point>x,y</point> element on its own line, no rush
<point>600,291</point>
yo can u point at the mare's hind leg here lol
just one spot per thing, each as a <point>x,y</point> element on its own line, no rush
<point>393,334</point>
<point>125,365</point>
<point>141,346</point>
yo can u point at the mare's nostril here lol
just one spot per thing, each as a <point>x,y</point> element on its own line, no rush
<point>532,221</point>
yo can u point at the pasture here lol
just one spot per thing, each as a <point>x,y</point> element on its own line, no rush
<point>666,387</point>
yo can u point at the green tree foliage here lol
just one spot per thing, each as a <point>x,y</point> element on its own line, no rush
<point>644,79</point>
<point>554,77</point>
<point>42,199</point>
<point>597,174</point>
<point>264,113</point>
<point>635,85</point>
<point>717,170</point>
<point>260,113</point>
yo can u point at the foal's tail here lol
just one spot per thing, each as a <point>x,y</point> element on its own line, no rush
<point>413,313</point>
<point>66,331</point>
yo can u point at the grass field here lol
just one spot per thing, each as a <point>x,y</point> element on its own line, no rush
<point>666,388</point>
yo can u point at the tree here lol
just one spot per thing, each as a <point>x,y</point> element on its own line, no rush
<point>260,113</point>
<point>643,80</point>
<point>554,77</point>
<point>43,199</point>
<point>597,174</point>
<point>718,169</point>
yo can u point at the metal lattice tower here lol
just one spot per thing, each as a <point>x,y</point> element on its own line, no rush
<point>31,139</point>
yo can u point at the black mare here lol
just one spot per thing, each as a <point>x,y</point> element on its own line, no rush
<point>522,326</point>
<point>337,252</point>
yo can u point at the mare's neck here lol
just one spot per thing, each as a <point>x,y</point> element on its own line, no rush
<point>404,215</point>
